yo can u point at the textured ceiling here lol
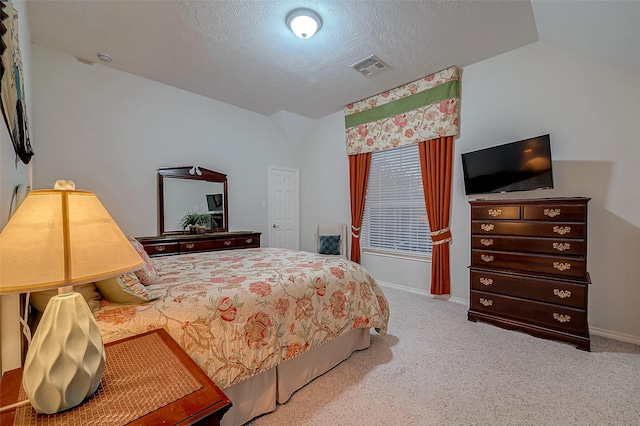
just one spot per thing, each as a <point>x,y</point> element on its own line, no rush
<point>241,52</point>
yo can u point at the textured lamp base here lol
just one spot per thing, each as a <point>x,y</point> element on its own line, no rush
<point>65,361</point>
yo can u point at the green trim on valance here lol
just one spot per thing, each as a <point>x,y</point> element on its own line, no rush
<point>444,91</point>
<point>424,109</point>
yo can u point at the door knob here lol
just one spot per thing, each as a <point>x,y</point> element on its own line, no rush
<point>275,226</point>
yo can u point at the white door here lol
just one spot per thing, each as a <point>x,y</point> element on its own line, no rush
<point>283,208</point>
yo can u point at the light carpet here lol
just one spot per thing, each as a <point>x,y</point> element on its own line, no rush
<point>436,368</point>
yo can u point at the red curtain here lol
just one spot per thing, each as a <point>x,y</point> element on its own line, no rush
<point>436,163</point>
<point>358,176</point>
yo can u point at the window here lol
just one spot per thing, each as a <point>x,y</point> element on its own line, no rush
<point>395,216</point>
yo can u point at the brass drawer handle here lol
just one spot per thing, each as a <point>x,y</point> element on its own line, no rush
<point>551,212</point>
<point>486,302</point>
<point>160,248</point>
<point>249,240</point>
<point>486,257</point>
<point>562,294</point>
<point>561,318</point>
<point>495,212</point>
<point>486,241</point>
<point>227,243</point>
<point>486,281</point>
<point>487,227</point>
<point>562,266</point>
<point>561,246</point>
<point>190,245</point>
<point>561,229</point>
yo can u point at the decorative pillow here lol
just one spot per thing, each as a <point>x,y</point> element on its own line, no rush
<point>329,244</point>
<point>40,299</point>
<point>147,273</point>
<point>125,289</point>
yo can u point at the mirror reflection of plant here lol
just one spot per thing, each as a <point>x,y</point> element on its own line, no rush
<point>197,218</point>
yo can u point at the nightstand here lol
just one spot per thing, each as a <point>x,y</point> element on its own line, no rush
<point>148,380</point>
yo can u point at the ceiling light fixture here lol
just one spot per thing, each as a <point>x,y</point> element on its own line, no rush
<point>304,22</point>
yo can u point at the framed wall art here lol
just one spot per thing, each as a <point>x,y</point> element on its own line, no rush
<point>12,98</point>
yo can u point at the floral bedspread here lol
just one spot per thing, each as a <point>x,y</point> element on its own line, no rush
<point>240,312</point>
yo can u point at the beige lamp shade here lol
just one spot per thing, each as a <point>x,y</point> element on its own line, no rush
<point>59,238</point>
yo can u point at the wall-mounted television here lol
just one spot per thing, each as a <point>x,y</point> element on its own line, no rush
<point>517,166</point>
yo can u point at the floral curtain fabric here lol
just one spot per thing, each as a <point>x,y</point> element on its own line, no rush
<point>418,111</point>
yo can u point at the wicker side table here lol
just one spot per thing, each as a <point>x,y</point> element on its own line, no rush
<point>148,380</point>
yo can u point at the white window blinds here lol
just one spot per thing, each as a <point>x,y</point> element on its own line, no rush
<point>395,217</point>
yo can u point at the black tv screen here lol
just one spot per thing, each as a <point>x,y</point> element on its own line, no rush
<point>517,166</point>
<point>214,202</point>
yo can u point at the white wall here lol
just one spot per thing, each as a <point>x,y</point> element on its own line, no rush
<point>12,174</point>
<point>591,110</point>
<point>110,131</point>
<point>324,178</point>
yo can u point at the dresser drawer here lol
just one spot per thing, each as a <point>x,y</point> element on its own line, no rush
<point>529,229</point>
<point>207,244</point>
<point>161,248</point>
<point>544,314</point>
<point>495,212</point>
<point>559,213</point>
<point>554,265</point>
<point>184,243</point>
<point>530,244</point>
<point>544,290</point>
<point>248,241</point>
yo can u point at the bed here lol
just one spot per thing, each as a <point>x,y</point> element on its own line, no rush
<point>260,322</point>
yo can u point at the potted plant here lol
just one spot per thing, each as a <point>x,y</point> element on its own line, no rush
<point>196,222</point>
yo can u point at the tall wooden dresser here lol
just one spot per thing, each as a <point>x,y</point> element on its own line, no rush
<point>529,266</point>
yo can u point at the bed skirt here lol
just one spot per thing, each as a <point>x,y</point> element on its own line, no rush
<point>260,394</point>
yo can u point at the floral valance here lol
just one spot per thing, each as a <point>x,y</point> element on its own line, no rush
<point>418,111</point>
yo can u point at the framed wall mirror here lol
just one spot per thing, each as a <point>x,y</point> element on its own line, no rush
<point>187,190</point>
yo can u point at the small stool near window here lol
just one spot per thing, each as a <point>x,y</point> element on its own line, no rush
<point>331,238</point>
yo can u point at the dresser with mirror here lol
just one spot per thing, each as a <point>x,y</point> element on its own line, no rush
<point>194,191</point>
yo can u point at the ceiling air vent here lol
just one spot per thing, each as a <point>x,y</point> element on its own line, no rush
<point>369,66</point>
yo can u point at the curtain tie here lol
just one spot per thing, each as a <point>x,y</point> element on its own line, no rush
<point>441,236</point>
<point>355,231</point>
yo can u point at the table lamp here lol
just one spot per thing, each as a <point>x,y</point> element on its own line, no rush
<point>57,239</point>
